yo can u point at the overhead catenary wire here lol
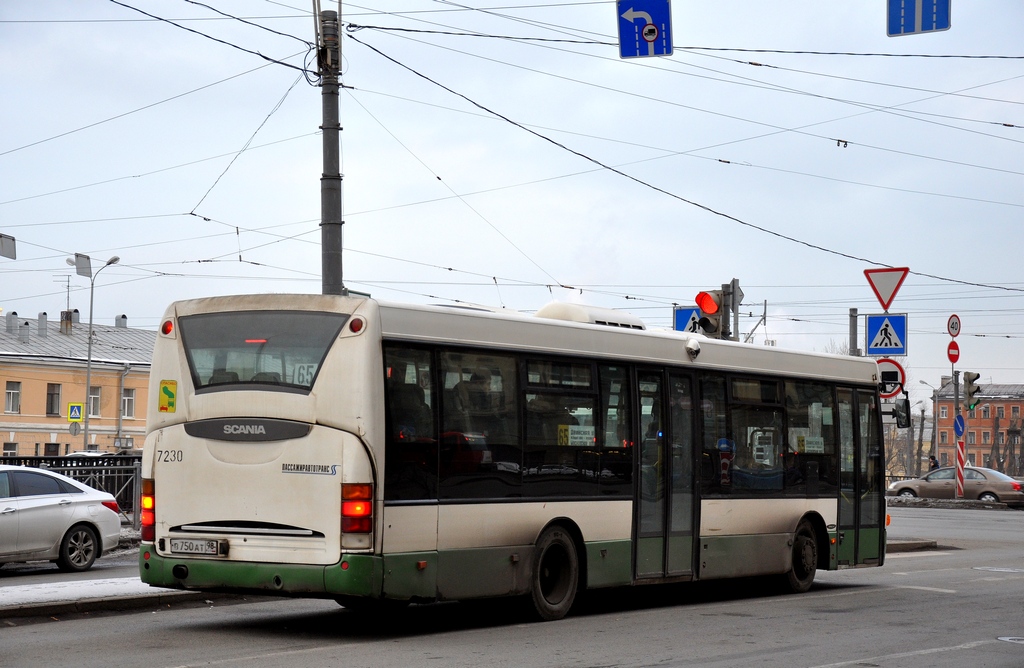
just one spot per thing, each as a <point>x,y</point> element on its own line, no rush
<point>698,205</point>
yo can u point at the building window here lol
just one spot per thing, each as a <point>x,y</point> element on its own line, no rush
<point>1015,411</point>
<point>971,438</point>
<point>944,412</point>
<point>94,401</point>
<point>53,399</point>
<point>971,414</point>
<point>12,403</point>
<point>944,457</point>
<point>943,439</point>
<point>128,403</point>
<point>985,412</point>
<point>51,449</point>
<point>984,438</point>
<point>1000,412</point>
<point>1000,438</point>
<point>10,449</point>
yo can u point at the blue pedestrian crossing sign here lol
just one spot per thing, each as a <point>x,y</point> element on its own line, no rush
<point>686,319</point>
<point>910,17</point>
<point>75,412</point>
<point>645,28</point>
<point>887,334</point>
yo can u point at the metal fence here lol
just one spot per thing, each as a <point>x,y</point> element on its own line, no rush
<point>120,475</point>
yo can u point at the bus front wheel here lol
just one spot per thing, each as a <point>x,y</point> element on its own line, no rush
<point>805,559</point>
<point>556,574</point>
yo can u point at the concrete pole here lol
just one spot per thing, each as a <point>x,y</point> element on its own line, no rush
<point>330,181</point>
<point>854,351</point>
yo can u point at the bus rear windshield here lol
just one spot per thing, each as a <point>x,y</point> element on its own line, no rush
<point>258,349</point>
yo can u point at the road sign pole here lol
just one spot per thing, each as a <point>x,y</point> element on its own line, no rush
<point>961,458</point>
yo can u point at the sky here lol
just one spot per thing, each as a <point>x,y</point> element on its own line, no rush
<point>502,153</point>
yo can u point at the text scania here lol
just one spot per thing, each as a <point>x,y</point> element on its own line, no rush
<point>253,429</point>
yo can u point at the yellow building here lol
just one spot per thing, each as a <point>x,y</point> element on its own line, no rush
<point>43,372</point>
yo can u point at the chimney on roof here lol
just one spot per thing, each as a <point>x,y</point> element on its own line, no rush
<point>121,321</point>
<point>75,316</point>
<point>65,322</point>
<point>41,327</point>
<point>12,317</point>
<point>23,332</point>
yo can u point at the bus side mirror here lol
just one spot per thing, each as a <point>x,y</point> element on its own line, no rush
<point>901,411</point>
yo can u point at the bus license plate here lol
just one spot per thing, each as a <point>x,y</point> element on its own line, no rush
<point>182,546</point>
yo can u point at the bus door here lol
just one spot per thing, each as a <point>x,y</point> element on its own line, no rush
<point>861,534</point>
<point>665,506</point>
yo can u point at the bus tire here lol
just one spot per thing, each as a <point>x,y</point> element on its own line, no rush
<point>805,559</point>
<point>556,574</point>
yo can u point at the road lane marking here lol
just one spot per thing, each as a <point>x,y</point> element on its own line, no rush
<point>903,655</point>
<point>935,589</point>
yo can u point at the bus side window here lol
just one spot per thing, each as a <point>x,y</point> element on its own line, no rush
<point>410,460</point>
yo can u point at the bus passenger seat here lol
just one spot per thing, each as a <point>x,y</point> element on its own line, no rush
<point>267,377</point>
<point>222,376</point>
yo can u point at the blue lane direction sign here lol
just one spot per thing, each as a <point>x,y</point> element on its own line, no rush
<point>959,425</point>
<point>886,334</point>
<point>686,319</point>
<point>645,28</point>
<point>910,17</point>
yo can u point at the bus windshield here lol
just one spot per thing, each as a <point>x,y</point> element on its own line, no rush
<point>272,349</point>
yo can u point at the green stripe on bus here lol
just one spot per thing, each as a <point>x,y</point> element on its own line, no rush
<point>361,577</point>
<point>609,563</point>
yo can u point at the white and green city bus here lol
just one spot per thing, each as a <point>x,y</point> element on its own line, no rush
<point>378,453</point>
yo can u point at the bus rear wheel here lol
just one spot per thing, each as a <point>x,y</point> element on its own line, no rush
<point>556,574</point>
<point>805,559</point>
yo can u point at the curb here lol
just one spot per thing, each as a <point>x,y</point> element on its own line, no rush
<point>909,546</point>
<point>49,609</point>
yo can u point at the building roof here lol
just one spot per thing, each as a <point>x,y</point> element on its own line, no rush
<point>111,344</point>
<point>1005,391</point>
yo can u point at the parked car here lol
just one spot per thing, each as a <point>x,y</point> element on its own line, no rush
<point>48,516</point>
<point>979,483</point>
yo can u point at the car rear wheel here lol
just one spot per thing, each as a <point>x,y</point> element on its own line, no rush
<point>988,497</point>
<point>907,493</point>
<point>79,549</point>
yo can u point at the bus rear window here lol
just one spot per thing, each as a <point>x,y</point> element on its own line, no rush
<point>258,349</point>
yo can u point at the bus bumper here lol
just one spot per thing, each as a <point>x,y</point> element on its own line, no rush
<point>353,575</point>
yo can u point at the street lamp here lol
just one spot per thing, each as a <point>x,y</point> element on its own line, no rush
<point>83,267</point>
<point>935,417</point>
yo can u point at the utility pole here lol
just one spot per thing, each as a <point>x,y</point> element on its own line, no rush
<point>854,351</point>
<point>329,66</point>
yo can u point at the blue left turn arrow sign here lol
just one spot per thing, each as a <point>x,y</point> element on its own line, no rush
<point>645,28</point>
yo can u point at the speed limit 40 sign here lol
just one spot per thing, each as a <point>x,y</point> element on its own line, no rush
<point>953,326</point>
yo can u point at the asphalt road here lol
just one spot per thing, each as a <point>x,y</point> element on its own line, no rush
<point>957,605</point>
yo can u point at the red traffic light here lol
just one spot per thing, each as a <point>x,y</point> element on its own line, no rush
<point>707,303</point>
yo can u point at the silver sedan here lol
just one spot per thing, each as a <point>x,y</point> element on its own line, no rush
<point>47,516</point>
<point>979,483</point>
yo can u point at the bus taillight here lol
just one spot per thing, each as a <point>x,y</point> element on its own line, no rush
<point>356,508</point>
<point>148,517</point>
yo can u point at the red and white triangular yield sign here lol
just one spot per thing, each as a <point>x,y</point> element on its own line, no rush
<point>886,283</point>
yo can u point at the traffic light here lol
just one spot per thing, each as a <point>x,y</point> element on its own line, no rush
<point>711,312</point>
<point>971,389</point>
